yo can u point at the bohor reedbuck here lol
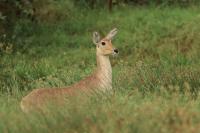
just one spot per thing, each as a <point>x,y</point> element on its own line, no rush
<point>99,81</point>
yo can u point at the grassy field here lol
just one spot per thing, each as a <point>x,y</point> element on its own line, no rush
<point>156,76</point>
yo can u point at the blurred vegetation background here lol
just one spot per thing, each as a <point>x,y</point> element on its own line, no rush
<point>20,19</point>
<point>14,12</point>
<point>24,15</point>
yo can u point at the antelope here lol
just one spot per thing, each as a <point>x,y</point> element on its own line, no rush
<point>99,81</point>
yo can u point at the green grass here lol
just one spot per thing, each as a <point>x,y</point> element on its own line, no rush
<point>156,76</point>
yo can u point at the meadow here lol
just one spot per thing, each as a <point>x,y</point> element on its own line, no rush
<point>156,76</point>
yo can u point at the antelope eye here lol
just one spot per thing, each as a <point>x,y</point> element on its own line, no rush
<point>103,43</point>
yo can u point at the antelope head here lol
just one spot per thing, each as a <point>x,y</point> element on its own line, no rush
<point>104,46</point>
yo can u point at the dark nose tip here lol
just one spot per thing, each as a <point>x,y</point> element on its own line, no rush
<point>116,50</point>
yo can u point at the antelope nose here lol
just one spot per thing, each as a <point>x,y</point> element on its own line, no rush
<point>116,50</point>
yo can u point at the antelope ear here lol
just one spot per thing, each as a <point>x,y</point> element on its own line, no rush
<point>111,34</point>
<point>96,38</point>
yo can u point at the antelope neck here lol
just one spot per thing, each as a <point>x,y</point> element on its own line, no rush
<point>104,71</point>
<point>103,63</point>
